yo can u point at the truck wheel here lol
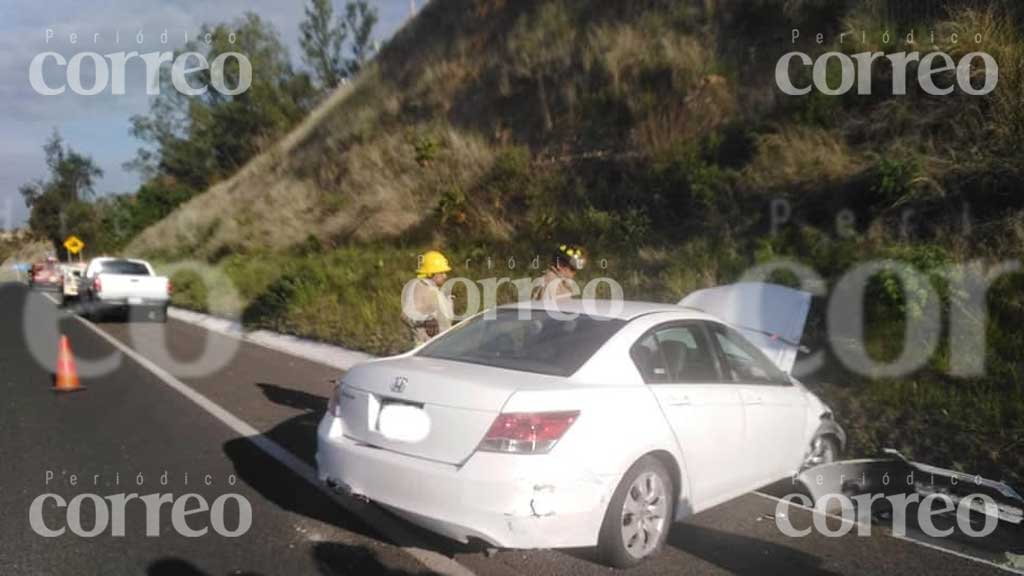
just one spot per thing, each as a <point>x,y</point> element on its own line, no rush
<point>639,515</point>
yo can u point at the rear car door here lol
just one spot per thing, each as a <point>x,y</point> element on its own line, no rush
<point>679,365</point>
<point>774,409</point>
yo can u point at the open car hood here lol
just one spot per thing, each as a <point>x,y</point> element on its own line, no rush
<point>771,316</point>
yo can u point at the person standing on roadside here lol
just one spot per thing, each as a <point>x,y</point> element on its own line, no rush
<point>425,308</point>
<point>559,280</point>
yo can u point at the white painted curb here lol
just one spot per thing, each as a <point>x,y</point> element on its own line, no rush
<point>327,354</point>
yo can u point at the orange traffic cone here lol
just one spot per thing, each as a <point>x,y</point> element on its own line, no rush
<point>67,372</point>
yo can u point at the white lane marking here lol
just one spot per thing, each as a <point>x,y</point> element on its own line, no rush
<point>371,516</point>
<point>892,534</point>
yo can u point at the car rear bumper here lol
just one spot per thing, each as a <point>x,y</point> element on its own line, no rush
<point>509,501</point>
<point>123,303</point>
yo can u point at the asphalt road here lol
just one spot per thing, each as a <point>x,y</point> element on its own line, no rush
<point>130,425</point>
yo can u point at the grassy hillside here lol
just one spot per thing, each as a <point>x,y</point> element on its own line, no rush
<point>653,133</point>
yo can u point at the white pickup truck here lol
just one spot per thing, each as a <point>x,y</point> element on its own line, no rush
<point>120,284</point>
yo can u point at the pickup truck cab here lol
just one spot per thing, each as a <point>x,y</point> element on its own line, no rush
<point>124,285</point>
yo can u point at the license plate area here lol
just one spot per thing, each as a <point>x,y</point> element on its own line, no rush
<point>135,301</point>
<point>396,419</point>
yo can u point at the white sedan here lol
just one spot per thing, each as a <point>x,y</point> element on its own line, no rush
<point>526,427</point>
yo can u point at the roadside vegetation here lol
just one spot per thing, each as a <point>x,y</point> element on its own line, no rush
<point>651,132</point>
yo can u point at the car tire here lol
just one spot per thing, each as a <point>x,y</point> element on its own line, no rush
<point>639,515</point>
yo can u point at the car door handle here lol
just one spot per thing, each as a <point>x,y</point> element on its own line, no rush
<point>752,399</point>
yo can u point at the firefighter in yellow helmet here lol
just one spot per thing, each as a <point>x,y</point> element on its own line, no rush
<point>425,308</point>
<point>558,281</point>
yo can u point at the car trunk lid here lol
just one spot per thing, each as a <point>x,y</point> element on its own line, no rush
<point>429,408</point>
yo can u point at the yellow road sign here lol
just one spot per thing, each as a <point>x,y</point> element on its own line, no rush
<point>74,244</point>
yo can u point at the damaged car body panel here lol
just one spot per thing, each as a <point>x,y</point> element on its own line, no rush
<point>892,488</point>
<point>537,424</point>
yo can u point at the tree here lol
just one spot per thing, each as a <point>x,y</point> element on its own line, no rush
<point>198,140</point>
<point>58,203</point>
<point>322,41</point>
<point>360,18</point>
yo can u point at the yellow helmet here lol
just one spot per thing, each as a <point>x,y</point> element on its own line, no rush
<point>571,255</point>
<point>432,262</point>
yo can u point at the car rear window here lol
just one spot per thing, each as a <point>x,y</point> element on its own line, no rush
<point>126,267</point>
<point>537,342</point>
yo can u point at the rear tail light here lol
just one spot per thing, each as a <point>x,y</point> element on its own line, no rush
<point>527,432</point>
<point>170,288</point>
<point>97,286</point>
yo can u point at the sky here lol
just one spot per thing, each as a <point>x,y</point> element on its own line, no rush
<point>99,125</point>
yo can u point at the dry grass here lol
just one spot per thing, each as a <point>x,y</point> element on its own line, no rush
<point>798,155</point>
<point>386,191</point>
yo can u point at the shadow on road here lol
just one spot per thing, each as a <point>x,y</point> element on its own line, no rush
<point>743,555</point>
<point>280,485</point>
<point>335,559</point>
<point>179,567</point>
<point>293,398</point>
<point>298,434</point>
<point>331,560</point>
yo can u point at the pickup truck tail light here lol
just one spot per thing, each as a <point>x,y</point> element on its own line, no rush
<point>170,288</point>
<point>527,432</point>
<point>97,285</point>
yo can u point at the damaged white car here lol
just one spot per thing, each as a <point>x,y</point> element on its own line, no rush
<point>534,428</point>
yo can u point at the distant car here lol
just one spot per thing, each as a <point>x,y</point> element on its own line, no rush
<point>71,280</point>
<point>45,276</point>
<point>121,284</point>
<point>530,430</point>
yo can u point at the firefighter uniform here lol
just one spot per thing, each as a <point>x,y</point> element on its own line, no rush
<point>426,310</point>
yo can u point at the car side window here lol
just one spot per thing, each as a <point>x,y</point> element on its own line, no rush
<point>743,361</point>
<point>646,355</point>
<point>675,354</point>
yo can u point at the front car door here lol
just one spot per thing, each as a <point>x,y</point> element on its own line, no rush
<point>678,362</point>
<point>774,409</point>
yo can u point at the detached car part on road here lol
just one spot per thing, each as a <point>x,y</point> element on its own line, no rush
<point>526,427</point>
<point>120,284</point>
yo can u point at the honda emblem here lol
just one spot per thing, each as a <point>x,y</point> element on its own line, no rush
<point>398,386</point>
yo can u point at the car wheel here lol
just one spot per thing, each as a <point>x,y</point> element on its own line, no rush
<point>639,515</point>
<point>824,450</point>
